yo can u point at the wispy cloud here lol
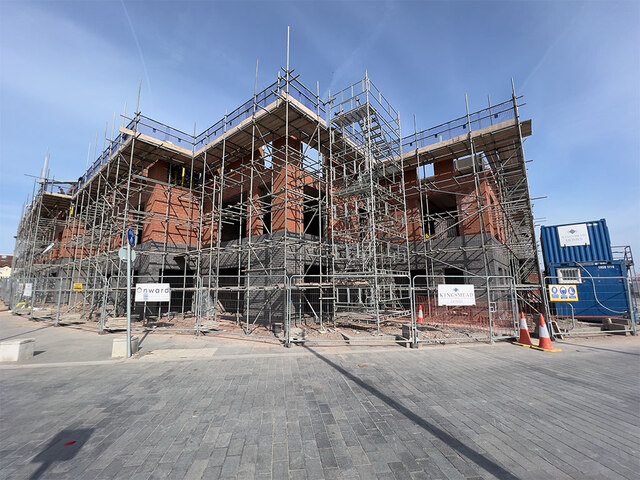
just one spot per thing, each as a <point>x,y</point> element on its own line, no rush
<point>135,38</point>
<point>370,36</point>
<point>61,64</point>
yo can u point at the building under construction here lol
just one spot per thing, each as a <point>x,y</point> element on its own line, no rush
<point>291,210</point>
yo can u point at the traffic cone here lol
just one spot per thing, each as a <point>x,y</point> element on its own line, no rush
<point>545,342</point>
<point>420,315</point>
<point>525,338</point>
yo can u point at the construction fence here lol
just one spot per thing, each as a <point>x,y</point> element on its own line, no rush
<point>590,305</point>
<point>352,309</point>
<point>69,299</point>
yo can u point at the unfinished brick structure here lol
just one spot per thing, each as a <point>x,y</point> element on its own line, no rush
<point>292,198</point>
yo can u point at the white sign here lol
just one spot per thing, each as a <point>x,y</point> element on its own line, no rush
<point>563,293</point>
<point>28,289</point>
<point>122,254</point>
<point>153,292</point>
<point>456,295</point>
<point>574,235</point>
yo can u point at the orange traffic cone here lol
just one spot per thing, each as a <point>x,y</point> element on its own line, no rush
<point>525,338</point>
<point>420,315</point>
<point>545,342</point>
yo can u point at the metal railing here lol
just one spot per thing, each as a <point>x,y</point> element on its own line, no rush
<point>74,299</point>
<point>485,118</point>
<point>351,309</point>
<point>489,313</point>
<point>591,305</point>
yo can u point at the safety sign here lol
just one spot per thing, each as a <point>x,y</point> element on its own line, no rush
<point>563,293</point>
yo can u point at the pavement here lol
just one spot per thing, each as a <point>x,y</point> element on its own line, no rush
<point>205,408</point>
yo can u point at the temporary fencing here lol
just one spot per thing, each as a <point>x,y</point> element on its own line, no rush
<point>585,304</point>
<point>74,299</point>
<point>177,311</point>
<point>9,291</point>
<point>322,309</point>
<point>351,308</point>
<point>487,311</point>
<point>250,305</point>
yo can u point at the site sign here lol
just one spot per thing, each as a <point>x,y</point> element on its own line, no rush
<point>153,292</point>
<point>563,293</point>
<point>452,295</point>
<point>77,287</point>
<point>573,235</point>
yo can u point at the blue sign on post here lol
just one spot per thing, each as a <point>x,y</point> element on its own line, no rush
<point>131,237</point>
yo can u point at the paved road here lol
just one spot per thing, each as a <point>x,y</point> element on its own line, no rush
<point>245,410</point>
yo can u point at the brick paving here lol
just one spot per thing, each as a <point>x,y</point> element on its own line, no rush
<point>459,412</point>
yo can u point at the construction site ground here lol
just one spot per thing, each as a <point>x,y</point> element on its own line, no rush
<point>217,407</point>
<point>339,331</point>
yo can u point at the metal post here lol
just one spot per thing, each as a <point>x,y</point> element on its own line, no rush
<point>414,325</point>
<point>59,302</point>
<point>287,315</point>
<point>128,300</point>
<point>32,300</point>
<point>103,313</point>
<point>487,280</point>
<point>632,313</point>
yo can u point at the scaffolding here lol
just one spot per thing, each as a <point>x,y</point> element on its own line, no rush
<point>291,208</point>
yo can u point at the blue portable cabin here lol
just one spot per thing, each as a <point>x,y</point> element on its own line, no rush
<point>581,255</point>
<point>601,287</point>
<point>589,242</point>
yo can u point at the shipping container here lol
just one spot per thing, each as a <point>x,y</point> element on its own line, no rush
<point>601,286</point>
<point>578,242</point>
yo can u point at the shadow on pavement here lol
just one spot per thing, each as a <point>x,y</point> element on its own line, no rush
<point>461,448</point>
<point>570,344</point>
<point>63,447</point>
<point>146,334</point>
<point>25,333</point>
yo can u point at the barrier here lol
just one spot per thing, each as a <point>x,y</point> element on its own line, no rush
<point>245,305</point>
<point>352,309</point>
<point>324,309</point>
<point>489,311</point>
<point>590,302</point>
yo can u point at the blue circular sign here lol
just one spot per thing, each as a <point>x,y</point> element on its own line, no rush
<point>131,237</point>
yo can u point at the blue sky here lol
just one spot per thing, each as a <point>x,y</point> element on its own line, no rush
<point>66,67</point>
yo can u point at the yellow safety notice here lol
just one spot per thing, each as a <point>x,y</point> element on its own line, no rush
<point>77,287</point>
<point>563,293</point>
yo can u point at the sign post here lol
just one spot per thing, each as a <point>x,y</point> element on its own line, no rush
<point>131,237</point>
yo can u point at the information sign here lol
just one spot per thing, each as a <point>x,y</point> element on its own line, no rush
<point>131,237</point>
<point>573,235</point>
<point>153,292</point>
<point>450,295</point>
<point>563,293</point>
